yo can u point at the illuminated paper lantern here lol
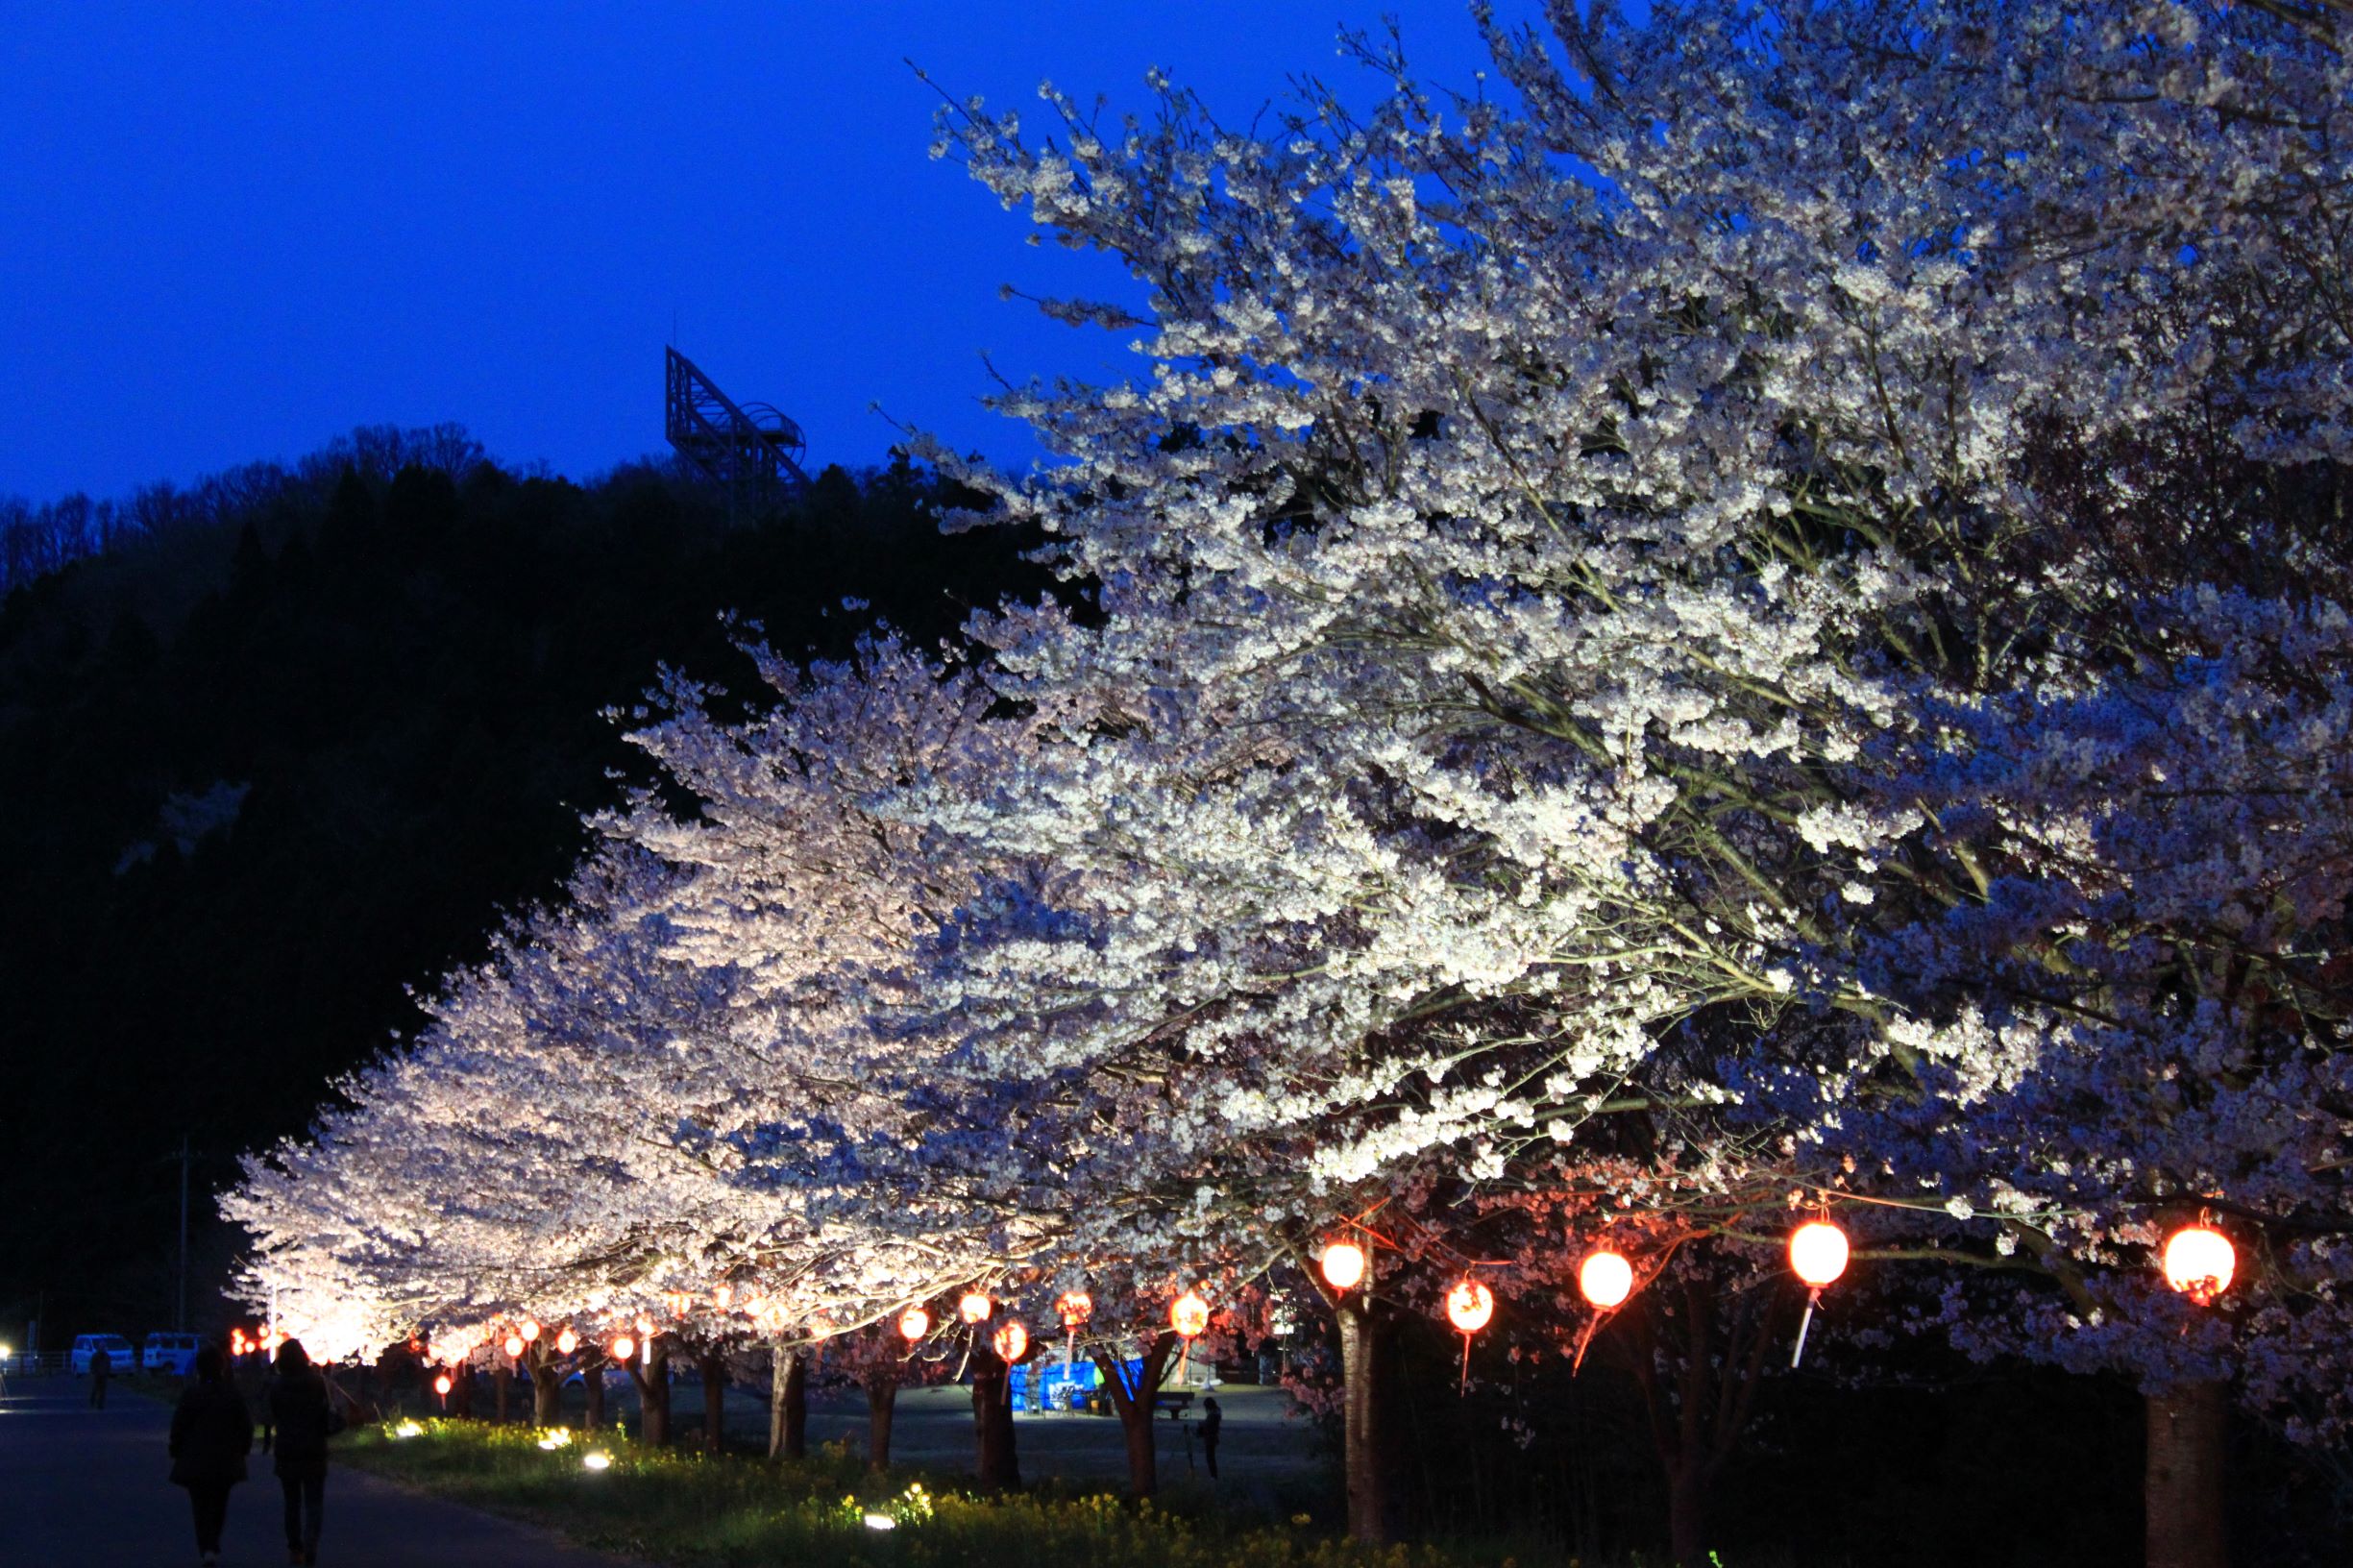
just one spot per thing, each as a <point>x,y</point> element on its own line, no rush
<point>1188,1314</point>
<point>1075,1308</point>
<point>913,1324</point>
<point>624,1347</point>
<point>2199,1263</point>
<point>514,1346</point>
<point>1469,1305</point>
<point>529,1331</point>
<point>1011,1341</point>
<point>974,1307</point>
<point>1344,1265</point>
<point>442,1385</point>
<point>1818,1252</point>
<point>566,1341</point>
<point>1606,1279</point>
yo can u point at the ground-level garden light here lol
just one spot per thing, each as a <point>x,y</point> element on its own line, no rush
<point>1606,1279</point>
<point>1818,1255</point>
<point>2201,1262</point>
<point>1469,1306</point>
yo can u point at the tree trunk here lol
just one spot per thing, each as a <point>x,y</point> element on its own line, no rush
<point>1687,1517</point>
<point>714,1399</point>
<point>2186,1425</point>
<point>652,1375</point>
<point>881,1402</point>
<point>592,1389</point>
<point>788,1404</point>
<point>1000,1467</point>
<point>547,1391</point>
<point>1366,1517</point>
<point>500,1378</point>
<point>461,1392</point>
<point>1134,1407</point>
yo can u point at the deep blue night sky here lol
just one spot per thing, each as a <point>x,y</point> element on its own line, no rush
<point>233,230</point>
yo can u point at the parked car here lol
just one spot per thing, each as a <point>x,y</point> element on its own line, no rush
<point>173,1353</point>
<point>120,1357</point>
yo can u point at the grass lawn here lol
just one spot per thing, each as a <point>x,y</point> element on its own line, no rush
<point>697,1512</point>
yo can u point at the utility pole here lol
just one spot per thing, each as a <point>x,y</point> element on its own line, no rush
<point>180,1321</point>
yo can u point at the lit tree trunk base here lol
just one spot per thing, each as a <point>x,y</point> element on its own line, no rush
<point>652,1381</point>
<point>1367,1517</point>
<point>500,1380</point>
<point>1134,1407</point>
<point>881,1403</point>
<point>788,1406</point>
<point>714,1399</point>
<point>1687,1519</point>
<point>1001,1466</point>
<point>547,1392</point>
<point>2187,1425</point>
<point>592,1389</point>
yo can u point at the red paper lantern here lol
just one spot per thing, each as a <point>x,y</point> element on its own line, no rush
<point>1818,1252</point>
<point>1469,1305</point>
<point>1011,1341</point>
<point>975,1309</point>
<point>624,1347</point>
<point>1189,1315</point>
<point>442,1385</point>
<point>2200,1262</point>
<point>1075,1308</point>
<point>1344,1265</point>
<point>514,1346</point>
<point>529,1331</point>
<point>913,1324</point>
<point>1606,1279</point>
<point>566,1341</point>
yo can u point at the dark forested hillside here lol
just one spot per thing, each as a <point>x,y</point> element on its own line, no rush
<point>264,768</point>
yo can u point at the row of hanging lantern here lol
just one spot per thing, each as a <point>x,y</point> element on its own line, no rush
<point>2198,1261</point>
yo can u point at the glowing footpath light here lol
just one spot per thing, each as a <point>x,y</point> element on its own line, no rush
<point>1344,1265</point>
<point>913,1324</point>
<point>974,1307</point>
<point>596,1459</point>
<point>514,1346</point>
<point>1818,1252</point>
<point>1469,1305</point>
<point>1076,1307</point>
<point>1189,1315</point>
<point>880,1521</point>
<point>2200,1262</point>
<point>624,1347</point>
<point>1011,1341</point>
<point>1605,1278</point>
<point>566,1341</point>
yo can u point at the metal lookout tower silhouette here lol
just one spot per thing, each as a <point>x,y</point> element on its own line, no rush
<point>749,450</point>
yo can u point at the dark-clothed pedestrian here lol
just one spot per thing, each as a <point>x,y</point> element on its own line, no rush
<point>102,1371</point>
<point>304,1416</point>
<point>211,1434</point>
<point>1212,1419</point>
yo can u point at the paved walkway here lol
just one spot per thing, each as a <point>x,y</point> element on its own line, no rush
<point>84,1488</point>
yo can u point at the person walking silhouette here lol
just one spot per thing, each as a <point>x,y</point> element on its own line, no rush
<point>300,1410</point>
<point>1212,1419</point>
<point>211,1434</point>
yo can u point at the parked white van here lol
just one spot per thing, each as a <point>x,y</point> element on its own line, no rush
<point>173,1353</point>
<point>120,1357</point>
